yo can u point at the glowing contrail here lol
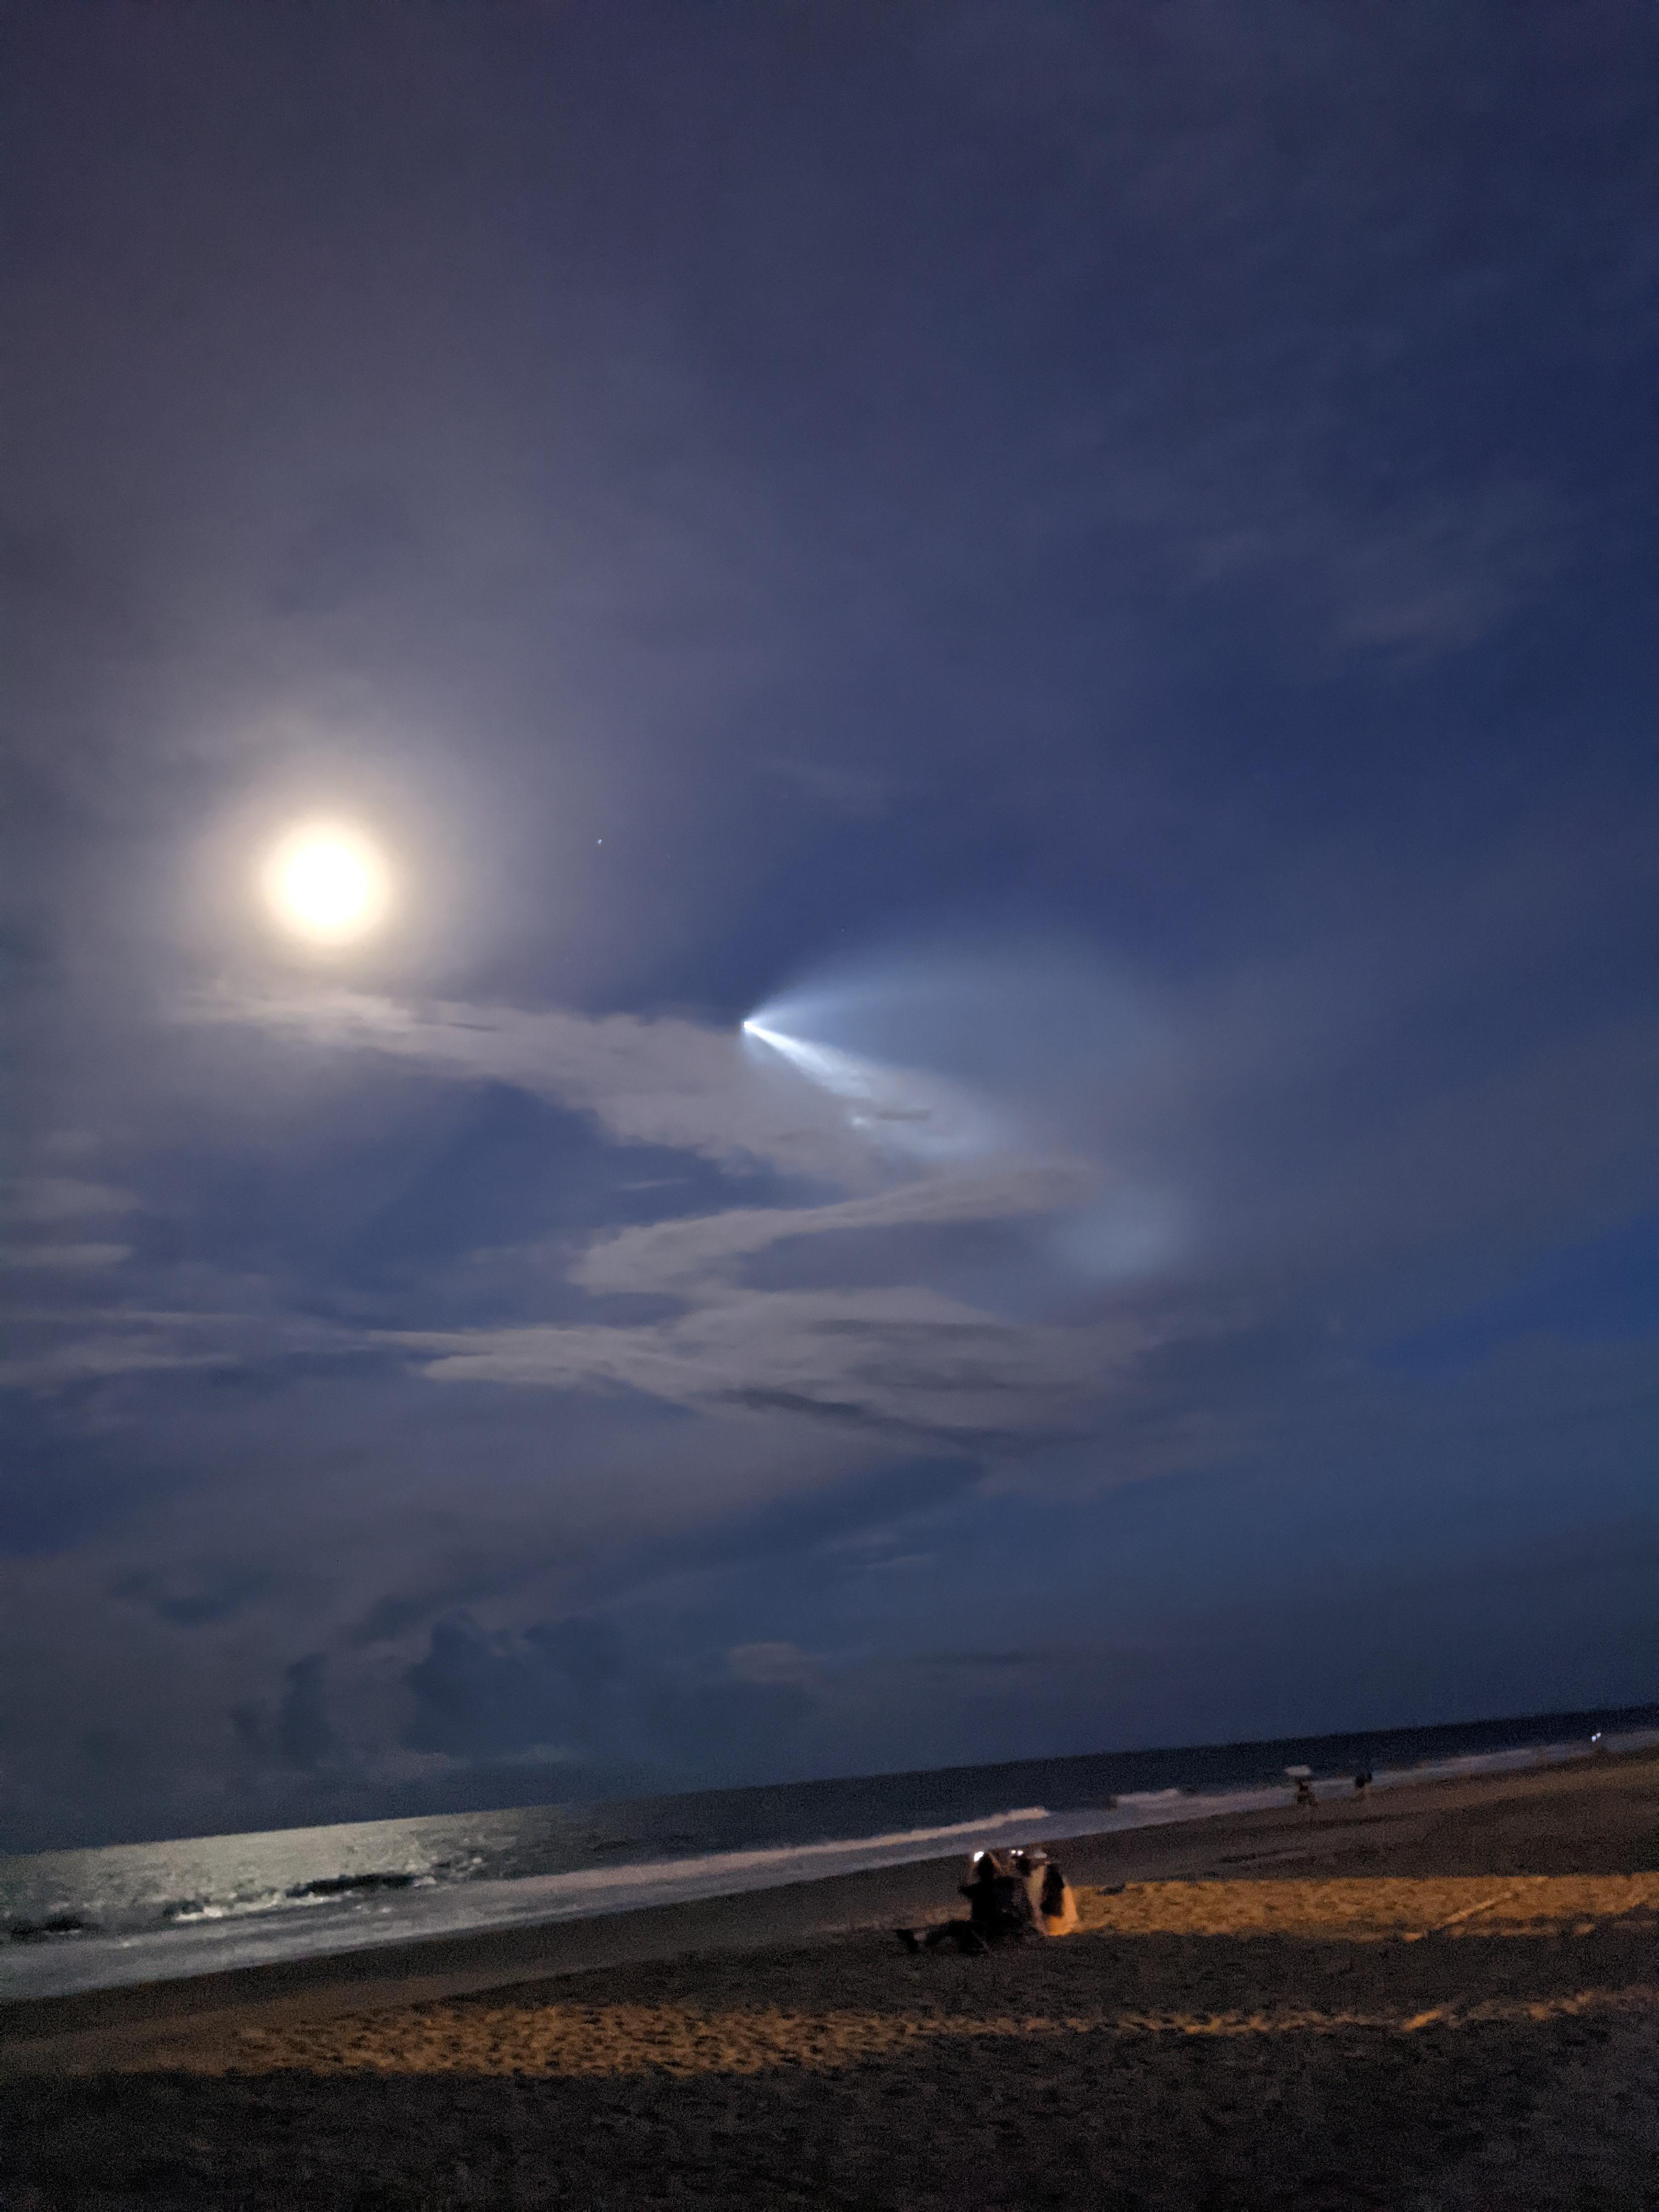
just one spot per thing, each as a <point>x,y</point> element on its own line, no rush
<point>943,1120</point>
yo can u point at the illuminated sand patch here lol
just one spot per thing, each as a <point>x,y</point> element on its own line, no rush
<point>1260,1975</point>
<point>1376,1909</point>
<point>582,2041</point>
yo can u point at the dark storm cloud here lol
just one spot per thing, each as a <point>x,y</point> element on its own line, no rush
<point>304,1737</point>
<point>1094,563</point>
<point>214,1599</point>
<point>477,1697</point>
<point>566,1693</point>
<point>63,1490</point>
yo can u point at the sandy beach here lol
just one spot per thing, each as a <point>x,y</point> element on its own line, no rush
<point>1447,1995</point>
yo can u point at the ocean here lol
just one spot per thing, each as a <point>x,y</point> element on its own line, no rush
<point>134,1912</point>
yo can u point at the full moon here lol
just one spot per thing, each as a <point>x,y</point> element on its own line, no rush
<point>326,883</point>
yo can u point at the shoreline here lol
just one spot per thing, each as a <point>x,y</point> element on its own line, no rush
<point>106,1961</point>
<point>1391,1832</point>
<point>1445,2002</point>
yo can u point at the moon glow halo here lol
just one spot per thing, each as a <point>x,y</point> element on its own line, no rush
<point>326,883</point>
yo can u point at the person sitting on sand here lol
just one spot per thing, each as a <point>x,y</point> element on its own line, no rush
<point>1053,1908</point>
<point>1029,1866</point>
<point>999,1904</point>
<point>998,1912</point>
<point>1057,1906</point>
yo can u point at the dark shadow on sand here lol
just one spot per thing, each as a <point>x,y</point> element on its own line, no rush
<point>1304,2111</point>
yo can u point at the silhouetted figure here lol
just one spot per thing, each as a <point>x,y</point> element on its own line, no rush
<point>1362,1782</point>
<point>1029,1866</point>
<point>999,1911</point>
<point>1057,1906</point>
<point>1000,1906</point>
<point>1305,1791</point>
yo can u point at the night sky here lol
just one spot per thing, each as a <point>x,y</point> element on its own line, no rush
<point>1087,569</point>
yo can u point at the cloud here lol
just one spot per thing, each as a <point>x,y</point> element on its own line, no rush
<point>775,1663</point>
<point>572,1693</point>
<point>63,1197</point>
<point>665,1082</point>
<point>1427,575</point>
<point>206,1599</point>
<point>64,1256</point>
<point>57,1204</point>
<point>685,1257</point>
<point>483,1696</point>
<point>1283,418</point>
<point>903,1358</point>
<point>304,1737</point>
<point>1259,1111</point>
<point>75,1345</point>
<point>99,1358</point>
<point>906,1360</point>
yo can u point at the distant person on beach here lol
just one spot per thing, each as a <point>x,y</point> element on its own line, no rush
<point>1362,1782</point>
<point>998,1912</point>
<point>1305,1791</point>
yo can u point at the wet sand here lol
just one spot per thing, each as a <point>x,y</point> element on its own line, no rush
<point>1445,1997</point>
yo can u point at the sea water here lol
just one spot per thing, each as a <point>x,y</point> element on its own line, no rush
<point>132,1912</point>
